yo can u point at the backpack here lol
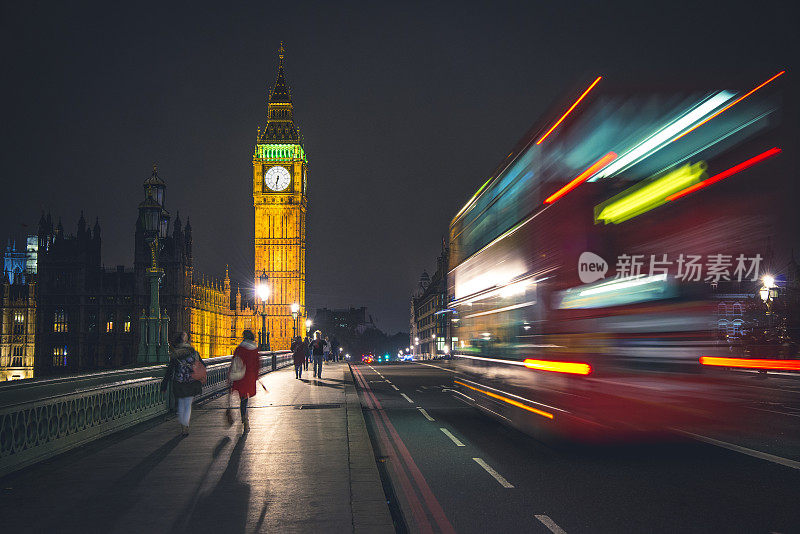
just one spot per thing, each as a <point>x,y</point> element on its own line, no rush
<point>183,370</point>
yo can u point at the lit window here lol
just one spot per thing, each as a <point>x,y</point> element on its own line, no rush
<point>110,325</point>
<point>60,321</point>
<point>16,359</point>
<point>19,323</point>
<point>60,356</point>
<point>127,325</point>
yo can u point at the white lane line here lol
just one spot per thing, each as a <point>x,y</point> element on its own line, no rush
<point>549,523</point>
<point>406,398</point>
<point>497,476</point>
<point>744,450</point>
<point>458,393</point>
<point>774,411</point>
<point>452,437</point>
<point>423,412</point>
<point>395,387</point>
<point>431,365</point>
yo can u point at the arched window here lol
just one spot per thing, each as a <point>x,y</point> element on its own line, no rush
<point>737,309</point>
<point>60,321</point>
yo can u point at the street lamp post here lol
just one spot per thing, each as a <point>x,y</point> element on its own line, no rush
<point>295,313</point>
<point>262,291</point>
<point>308,326</point>
<point>153,343</point>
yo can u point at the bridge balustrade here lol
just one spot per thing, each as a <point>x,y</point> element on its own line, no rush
<point>41,418</point>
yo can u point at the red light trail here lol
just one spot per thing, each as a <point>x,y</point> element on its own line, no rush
<point>747,363</point>
<point>724,174</point>
<point>582,177</point>
<point>750,92</point>
<point>564,116</point>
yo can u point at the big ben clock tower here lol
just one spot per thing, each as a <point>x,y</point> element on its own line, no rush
<point>279,199</point>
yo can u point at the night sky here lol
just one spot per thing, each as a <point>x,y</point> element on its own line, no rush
<point>405,109</point>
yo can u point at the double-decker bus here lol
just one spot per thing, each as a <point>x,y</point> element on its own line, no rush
<point>587,272</point>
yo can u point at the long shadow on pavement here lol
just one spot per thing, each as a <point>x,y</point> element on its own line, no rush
<point>226,507</point>
<point>108,504</point>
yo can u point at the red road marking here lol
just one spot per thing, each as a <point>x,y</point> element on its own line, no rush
<point>422,485</point>
<point>420,517</point>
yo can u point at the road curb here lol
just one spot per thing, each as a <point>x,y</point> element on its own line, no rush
<point>369,508</point>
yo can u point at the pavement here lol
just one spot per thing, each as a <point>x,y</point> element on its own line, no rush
<point>454,469</point>
<point>306,465</point>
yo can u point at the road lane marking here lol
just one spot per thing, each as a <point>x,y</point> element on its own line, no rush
<point>406,398</point>
<point>431,365</point>
<point>774,411</point>
<point>452,437</point>
<point>497,476</point>
<point>417,509</point>
<point>492,411</point>
<point>395,387</point>
<point>549,523</point>
<point>458,393</point>
<point>423,412</point>
<point>744,450</point>
<point>425,491</point>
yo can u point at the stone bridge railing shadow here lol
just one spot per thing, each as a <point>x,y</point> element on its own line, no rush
<point>42,418</point>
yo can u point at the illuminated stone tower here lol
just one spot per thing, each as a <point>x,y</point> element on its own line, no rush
<point>279,198</point>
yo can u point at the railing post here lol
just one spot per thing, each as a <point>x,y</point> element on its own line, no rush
<point>274,362</point>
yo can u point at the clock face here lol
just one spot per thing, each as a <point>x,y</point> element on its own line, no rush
<point>277,178</point>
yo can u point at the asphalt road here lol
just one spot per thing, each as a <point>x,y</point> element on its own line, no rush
<point>450,468</point>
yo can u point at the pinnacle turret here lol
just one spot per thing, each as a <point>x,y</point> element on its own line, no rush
<point>280,126</point>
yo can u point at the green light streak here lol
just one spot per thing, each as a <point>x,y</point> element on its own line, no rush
<point>648,195</point>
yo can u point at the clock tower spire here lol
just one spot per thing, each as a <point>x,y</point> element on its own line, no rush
<point>279,200</point>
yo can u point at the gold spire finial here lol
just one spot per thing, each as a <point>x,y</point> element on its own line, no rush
<point>281,51</point>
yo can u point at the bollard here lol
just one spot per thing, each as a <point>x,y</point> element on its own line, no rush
<point>274,362</point>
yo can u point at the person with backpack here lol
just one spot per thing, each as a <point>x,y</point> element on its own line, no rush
<point>187,374</point>
<point>300,356</point>
<point>318,353</point>
<point>247,353</point>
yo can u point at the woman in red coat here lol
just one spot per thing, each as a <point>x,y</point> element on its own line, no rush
<point>247,351</point>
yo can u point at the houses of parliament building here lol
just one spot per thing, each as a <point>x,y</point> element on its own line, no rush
<point>62,312</point>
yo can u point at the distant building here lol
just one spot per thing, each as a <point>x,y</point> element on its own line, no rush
<point>430,318</point>
<point>17,261</point>
<point>17,328</point>
<point>343,323</point>
<point>17,310</point>
<point>63,312</point>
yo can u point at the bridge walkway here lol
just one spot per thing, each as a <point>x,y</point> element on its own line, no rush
<point>305,466</point>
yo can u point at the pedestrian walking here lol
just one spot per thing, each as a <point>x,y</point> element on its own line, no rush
<point>318,353</point>
<point>337,355</point>
<point>186,372</point>
<point>247,351</point>
<point>307,342</point>
<point>300,356</point>
<point>326,350</point>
